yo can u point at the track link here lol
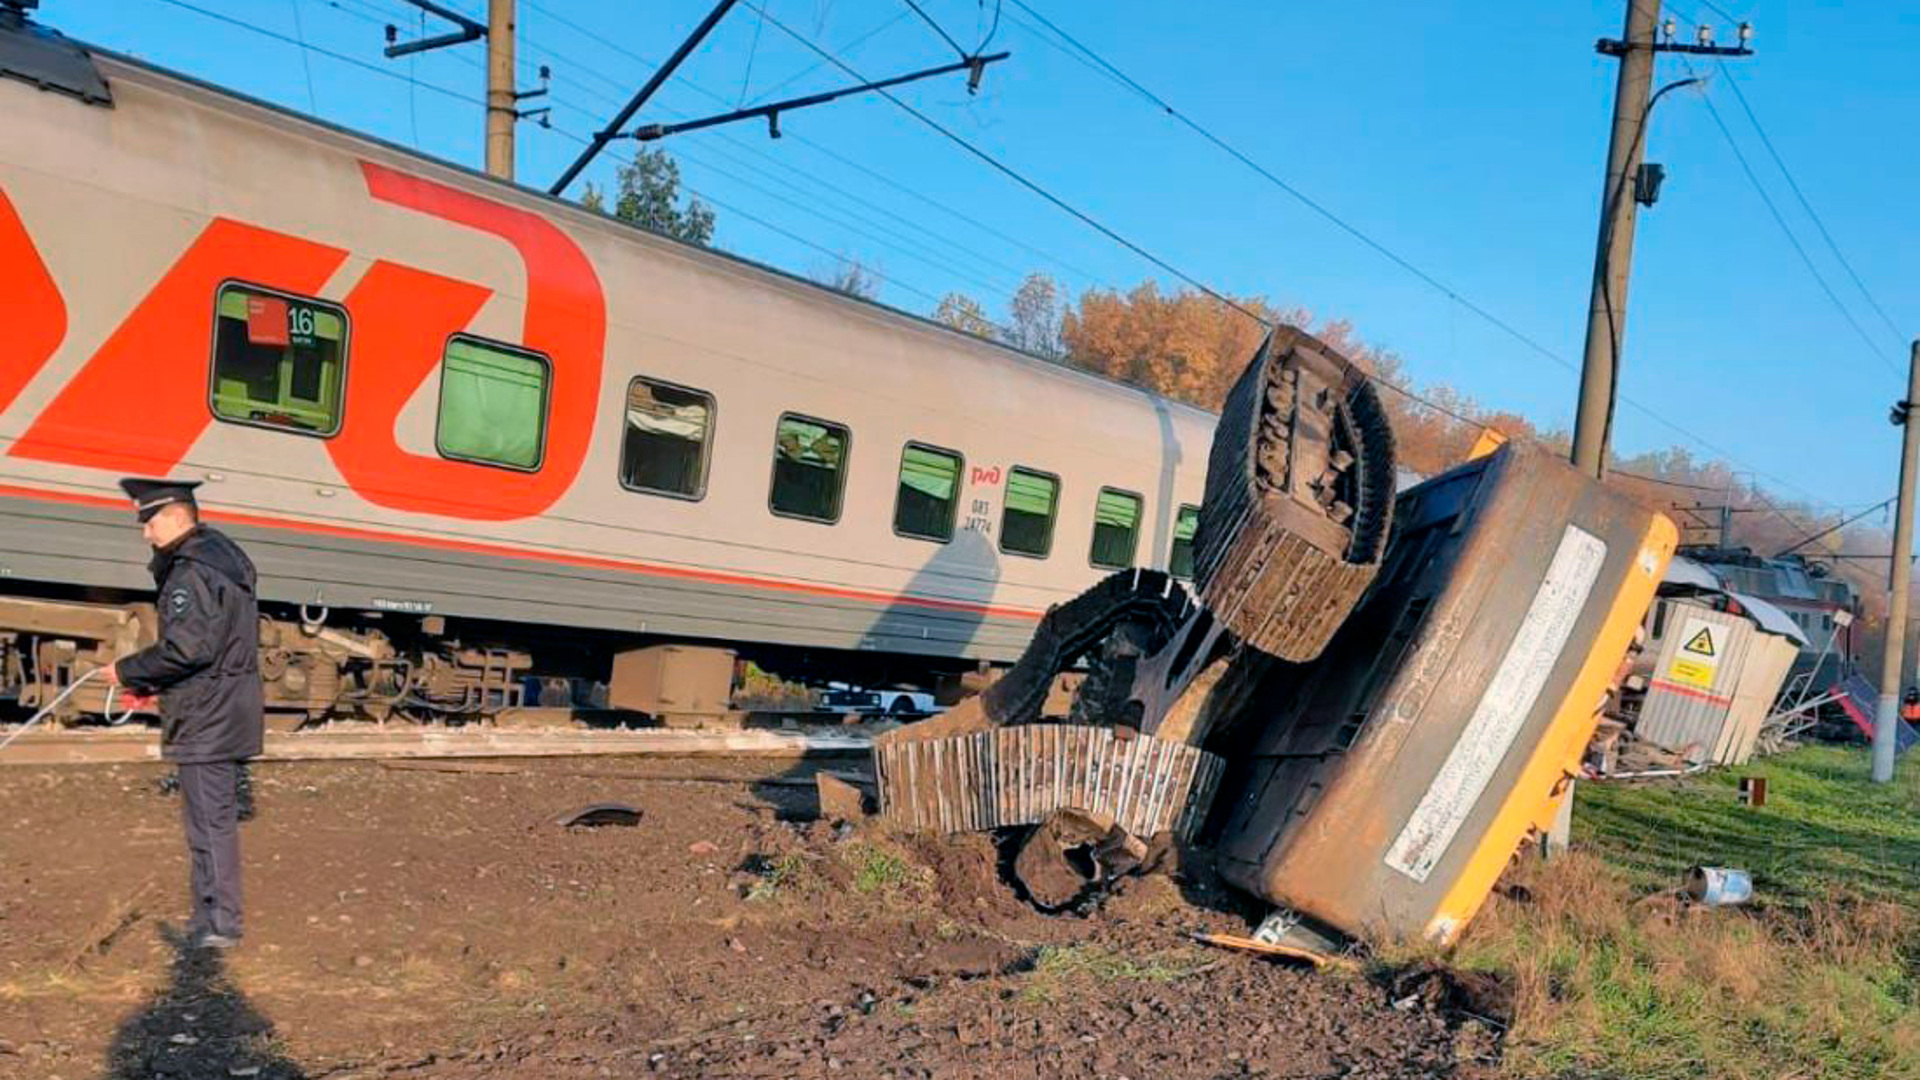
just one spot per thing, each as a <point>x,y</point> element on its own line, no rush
<point>1299,498</point>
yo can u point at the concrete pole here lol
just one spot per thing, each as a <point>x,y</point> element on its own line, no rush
<point>501,104</point>
<point>1900,579</point>
<point>1613,255</point>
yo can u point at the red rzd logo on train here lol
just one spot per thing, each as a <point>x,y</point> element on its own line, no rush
<point>139,403</point>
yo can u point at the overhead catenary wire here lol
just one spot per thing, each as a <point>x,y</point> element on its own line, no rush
<point>970,221</point>
<point>183,4</point>
<point>910,252</point>
<point>828,56</point>
<point>1123,79</point>
<point>1780,220</point>
<point>1012,174</point>
<point>323,51</point>
<point>930,21</point>
<point>1807,205</point>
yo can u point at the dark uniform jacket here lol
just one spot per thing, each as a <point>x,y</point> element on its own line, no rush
<point>206,665</point>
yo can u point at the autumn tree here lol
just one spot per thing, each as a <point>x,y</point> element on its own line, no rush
<point>964,313</point>
<point>647,193</point>
<point>1184,344</point>
<point>1035,317</point>
<point>848,275</point>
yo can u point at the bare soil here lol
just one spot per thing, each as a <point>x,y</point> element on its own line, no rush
<point>439,925</point>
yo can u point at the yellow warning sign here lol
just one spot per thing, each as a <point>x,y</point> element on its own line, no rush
<point>1698,661</point>
<point>1701,643</point>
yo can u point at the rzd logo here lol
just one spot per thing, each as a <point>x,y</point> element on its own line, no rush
<point>139,403</point>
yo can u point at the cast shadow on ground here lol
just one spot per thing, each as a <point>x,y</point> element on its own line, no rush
<point>198,1025</point>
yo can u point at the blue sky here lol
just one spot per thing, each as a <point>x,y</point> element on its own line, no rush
<point>1467,138</point>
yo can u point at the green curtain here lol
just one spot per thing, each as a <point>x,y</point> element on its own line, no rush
<point>1031,493</point>
<point>1117,509</point>
<point>492,405</point>
<point>930,472</point>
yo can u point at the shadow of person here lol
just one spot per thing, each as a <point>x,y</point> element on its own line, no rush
<point>199,1025</point>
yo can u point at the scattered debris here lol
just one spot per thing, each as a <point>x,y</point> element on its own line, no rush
<point>598,814</point>
<point>1719,886</point>
<point>1288,952</point>
<point>839,800</point>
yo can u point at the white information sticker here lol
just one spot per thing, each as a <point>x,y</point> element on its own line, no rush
<point>1503,708</point>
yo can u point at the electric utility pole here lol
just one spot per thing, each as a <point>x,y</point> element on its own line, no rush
<point>502,107</point>
<point>1628,184</point>
<point>1899,581</point>
<point>503,99</point>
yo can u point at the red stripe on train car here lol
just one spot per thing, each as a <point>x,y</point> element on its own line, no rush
<point>592,561</point>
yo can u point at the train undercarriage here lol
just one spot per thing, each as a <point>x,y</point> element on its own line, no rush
<point>320,667</point>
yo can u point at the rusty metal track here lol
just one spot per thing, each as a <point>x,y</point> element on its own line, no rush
<point>1022,775</point>
<point>1299,498</point>
<point>373,743</point>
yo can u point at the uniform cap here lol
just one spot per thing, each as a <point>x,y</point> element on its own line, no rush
<point>150,495</point>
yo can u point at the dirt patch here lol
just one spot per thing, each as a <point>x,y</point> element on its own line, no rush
<point>439,925</point>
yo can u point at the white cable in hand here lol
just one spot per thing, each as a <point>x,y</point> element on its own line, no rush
<point>47,709</point>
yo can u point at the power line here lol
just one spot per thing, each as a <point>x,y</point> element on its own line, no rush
<point>826,151</point>
<point>914,251</point>
<point>329,53</point>
<point>731,209</point>
<point>987,38</point>
<point>919,252</point>
<point>220,17</point>
<point>1808,207</point>
<point>929,20</point>
<point>1718,10</point>
<point>1015,176</point>
<point>1122,78</point>
<point>1781,221</point>
<point>1306,200</point>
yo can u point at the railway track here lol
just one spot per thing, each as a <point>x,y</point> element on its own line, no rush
<point>372,742</point>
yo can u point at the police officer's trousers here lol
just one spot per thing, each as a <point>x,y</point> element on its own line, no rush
<point>210,805</point>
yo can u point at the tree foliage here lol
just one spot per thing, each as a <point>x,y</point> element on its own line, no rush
<point>1035,317</point>
<point>964,313</point>
<point>647,193</point>
<point>848,275</point>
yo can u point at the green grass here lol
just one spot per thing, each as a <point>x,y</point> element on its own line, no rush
<point>1615,978</point>
<point>780,874</point>
<point>1823,827</point>
<point>1057,967</point>
<point>879,869</point>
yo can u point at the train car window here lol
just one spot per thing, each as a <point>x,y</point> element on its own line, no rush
<point>929,493</point>
<point>809,468</point>
<point>278,360</point>
<point>493,404</point>
<point>1180,559</point>
<point>1026,522</point>
<point>1116,528</point>
<point>668,436</point>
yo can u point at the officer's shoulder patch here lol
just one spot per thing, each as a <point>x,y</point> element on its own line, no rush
<point>178,601</point>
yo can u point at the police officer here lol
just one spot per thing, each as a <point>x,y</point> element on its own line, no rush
<point>206,670</point>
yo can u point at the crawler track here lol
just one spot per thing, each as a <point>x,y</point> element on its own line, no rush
<point>1299,498</point>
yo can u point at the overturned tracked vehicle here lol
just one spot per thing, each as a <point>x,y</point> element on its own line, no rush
<point>1367,713</point>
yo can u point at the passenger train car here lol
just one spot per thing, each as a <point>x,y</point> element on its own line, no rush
<point>436,407</point>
